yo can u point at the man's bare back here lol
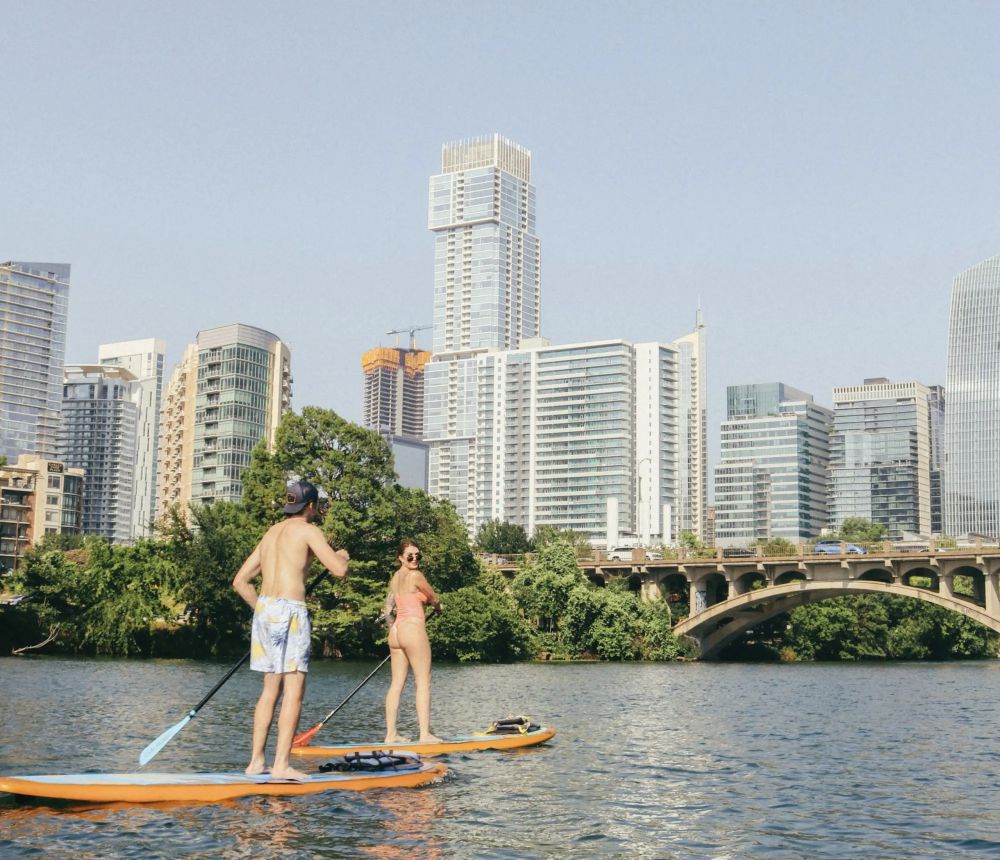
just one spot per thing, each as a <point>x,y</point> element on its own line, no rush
<point>282,560</point>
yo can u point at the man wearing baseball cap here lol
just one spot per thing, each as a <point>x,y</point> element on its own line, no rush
<point>280,635</point>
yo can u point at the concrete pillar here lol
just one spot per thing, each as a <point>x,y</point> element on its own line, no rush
<point>699,597</point>
<point>649,592</point>
<point>992,595</point>
<point>946,585</point>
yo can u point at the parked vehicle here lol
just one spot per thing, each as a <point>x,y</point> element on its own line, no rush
<point>654,555</point>
<point>836,547</point>
<point>737,552</point>
<point>620,553</point>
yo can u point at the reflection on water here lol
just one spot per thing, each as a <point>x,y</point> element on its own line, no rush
<point>651,760</point>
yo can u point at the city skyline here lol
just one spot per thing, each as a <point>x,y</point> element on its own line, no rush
<point>814,188</point>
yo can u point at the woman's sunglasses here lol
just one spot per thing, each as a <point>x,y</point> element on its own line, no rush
<point>413,556</point>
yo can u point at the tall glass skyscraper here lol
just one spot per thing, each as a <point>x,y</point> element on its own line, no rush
<point>972,420</point>
<point>98,435</point>
<point>229,392</point>
<point>881,456</point>
<point>34,298</point>
<point>486,295</point>
<point>771,478</point>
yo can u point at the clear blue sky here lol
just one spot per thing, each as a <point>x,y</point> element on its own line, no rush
<point>815,173</point>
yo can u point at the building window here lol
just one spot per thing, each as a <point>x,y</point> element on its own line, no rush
<point>52,500</point>
<point>54,482</point>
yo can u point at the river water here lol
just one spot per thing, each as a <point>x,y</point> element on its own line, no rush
<point>686,760</point>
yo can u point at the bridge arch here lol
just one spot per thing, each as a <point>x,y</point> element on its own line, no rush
<point>878,574</point>
<point>718,625</point>
<point>789,576</point>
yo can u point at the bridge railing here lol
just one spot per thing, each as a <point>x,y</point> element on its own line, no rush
<point>734,555</point>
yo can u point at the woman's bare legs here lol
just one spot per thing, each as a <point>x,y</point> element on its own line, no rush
<point>399,666</point>
<point>412,637</point>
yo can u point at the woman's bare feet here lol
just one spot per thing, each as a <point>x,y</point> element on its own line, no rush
<point>396,739</point>
<point>256,767</point>
<point>290,773</point>
<point>430,739</point>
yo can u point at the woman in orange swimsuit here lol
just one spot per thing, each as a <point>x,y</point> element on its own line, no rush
<point>409,647</point>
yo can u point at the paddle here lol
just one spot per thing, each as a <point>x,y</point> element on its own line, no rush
<point>152,749</point>
<point>309,734</point>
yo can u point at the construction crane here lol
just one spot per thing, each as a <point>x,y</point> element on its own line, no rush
<point>413,333</point>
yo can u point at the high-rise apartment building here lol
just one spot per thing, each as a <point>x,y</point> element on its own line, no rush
<point>692,426</point>
<point>37,497</point>
<point>34,298</point>
<point>394,390</point>
<point>144,359</point>
<point>880,456</point>
<point>585,437</point>
<point>936,404</point>
<point>972,420</point>
<point>228,394</point>
<point>771,478</point>
<point>486,295</point>
<point>98,435</point>
<point>175,450</point>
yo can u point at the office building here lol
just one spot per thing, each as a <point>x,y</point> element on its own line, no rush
<point>486,295</point>
<point>37,497</point>
<point>880,456</point>
<point>98,435</point>
<point>34,299</point>
<point>229,393</point>
<point>144,359</point>
<point>771,481</point>
<point>972,420</point>
<point>394,390</point>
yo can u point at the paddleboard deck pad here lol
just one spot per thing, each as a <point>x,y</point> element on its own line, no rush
<point>209,787</point>
<point>463,743</point>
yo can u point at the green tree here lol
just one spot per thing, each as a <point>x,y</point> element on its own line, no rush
<point>860,530</point>
<point>544,535</point>
<point>543,588</point>
<point>481,623</point>
<point>503,538</point>
<point>776,546</point>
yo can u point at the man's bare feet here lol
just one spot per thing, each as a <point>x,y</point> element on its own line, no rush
<point>256,767</point>
<point>289,773</point>
<point>396,739</point>
<point>430,739</point>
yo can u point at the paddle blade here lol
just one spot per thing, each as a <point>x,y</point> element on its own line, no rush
<point>147,754</point>
<point>306,736</point>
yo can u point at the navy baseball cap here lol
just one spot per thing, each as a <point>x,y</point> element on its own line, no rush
<point>298,495</point>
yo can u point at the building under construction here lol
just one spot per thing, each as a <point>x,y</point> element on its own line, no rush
<point>394,390</point>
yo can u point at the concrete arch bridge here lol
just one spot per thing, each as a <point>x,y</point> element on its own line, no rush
<point>730,596</point>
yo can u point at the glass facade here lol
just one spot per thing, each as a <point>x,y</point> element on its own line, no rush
<point>971,479</point>
<point>34,298</point>
<point>486,295</point>
<point>98,435</point>
<point>880,456</point>
<point>771,478</point>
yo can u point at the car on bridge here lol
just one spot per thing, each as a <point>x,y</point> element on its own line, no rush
<point>836,547</point>
<point>620,553</point>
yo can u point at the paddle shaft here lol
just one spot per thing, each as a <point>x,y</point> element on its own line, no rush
<point>323,722</point>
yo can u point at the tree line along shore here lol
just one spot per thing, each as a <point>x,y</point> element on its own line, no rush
<point>171,595</point>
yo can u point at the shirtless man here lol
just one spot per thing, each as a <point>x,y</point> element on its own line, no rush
<point>279,640</point>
